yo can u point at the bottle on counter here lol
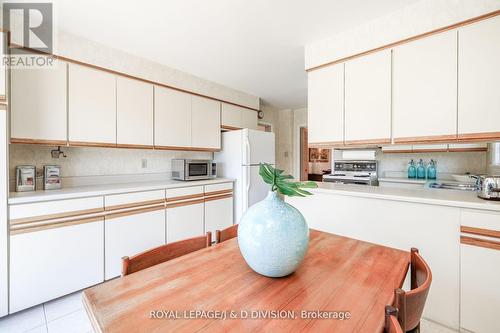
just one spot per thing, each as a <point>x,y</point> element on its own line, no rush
<point>431,170</point>
<point>412,170</point>
<point>421,169</point>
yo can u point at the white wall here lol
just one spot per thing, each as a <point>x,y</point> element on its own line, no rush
<point>421,17</point>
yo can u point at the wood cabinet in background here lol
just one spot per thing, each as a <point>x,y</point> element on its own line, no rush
<point>38,105</point>
<point>326,105</point>
<point>134,113</point>
<point>172,118</point>
<point>479,80</point>
<point>205,123</point>
<point>91,106</point>
<point>425,89</point>
<point>368,99</point>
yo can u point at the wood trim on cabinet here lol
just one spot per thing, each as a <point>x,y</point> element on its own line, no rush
<point>326,144</point>
<point>474,137</point>
<point>134,204</point>
<point>218,197</point>
<point>408,40</point>
<point>402,151</point>
<point>135,211</point>
<point>133,146</point>
<point>41,218</point>
<point>111,71</point>
<point>230,128</point>
<point>219,192</point>
<point>186,148</point>
<point>91,144</point>
<point>53,225</point>
<point>480,231</point>
<point>480,242</point>
<point>368,142</point>
<point>185,203</point>
<point>185,197</point>
<point>39,142</point>
<point>465,150</point>
<point>426,139</point>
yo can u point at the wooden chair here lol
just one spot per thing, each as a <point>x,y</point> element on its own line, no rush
<point>228,233</point>
<point>164,253</point>
<point>391,320</point>
<point>410,304</point>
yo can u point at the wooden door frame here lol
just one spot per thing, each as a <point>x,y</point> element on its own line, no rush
<point>303,154</point>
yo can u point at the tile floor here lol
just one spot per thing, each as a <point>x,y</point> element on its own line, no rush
<point>62,315</point>
<point>67,315</point>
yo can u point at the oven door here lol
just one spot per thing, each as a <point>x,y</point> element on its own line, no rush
<point>198,170</point>
<point>361,181</point>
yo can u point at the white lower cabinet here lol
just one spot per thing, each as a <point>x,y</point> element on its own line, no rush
<point>54,262</point>
<point>218,207</point>
<point>130,235</point>
<point>185,222</point>
<point>480,293</point>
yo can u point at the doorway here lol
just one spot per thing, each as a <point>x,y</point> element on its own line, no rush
<point>304,155</point>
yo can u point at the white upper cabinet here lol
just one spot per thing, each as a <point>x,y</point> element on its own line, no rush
<point>38,103</point>
<point>92,105</point>
<point>368,98</point>
<point>233,116</point>
<point>172,118</point>
<point>134,112</point>
<point>479,78</point>
<point>326,104</point>
<point>425,89</point>
<point>205,121</point>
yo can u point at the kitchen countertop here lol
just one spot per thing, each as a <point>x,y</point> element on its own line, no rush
<point>107,189</point>
<point>403,180</point>
<point>454,198</point>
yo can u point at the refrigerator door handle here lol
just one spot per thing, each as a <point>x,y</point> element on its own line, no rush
<point>247,151</point>
<point>249,177</point>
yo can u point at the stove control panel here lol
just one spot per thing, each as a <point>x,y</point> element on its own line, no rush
<point>356,166</point>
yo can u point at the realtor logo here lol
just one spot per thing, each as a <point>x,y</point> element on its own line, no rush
<point>30,26</point>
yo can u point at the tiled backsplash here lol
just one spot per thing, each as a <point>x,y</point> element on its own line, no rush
<point>391,164</point>
<point>86,166</point>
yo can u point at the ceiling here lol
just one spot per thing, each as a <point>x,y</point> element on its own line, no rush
<point>256,46</point>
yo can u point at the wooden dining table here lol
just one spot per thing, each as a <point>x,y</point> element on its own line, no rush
<point>342,285</point>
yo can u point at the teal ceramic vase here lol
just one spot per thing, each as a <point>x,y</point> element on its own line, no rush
<point>273,237</point>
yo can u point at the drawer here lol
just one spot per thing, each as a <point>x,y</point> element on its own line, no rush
<point>54,209</point>
<point>218,188</point>
<point>480,219</point>
<point>118,201</point>
<point>184,193</point>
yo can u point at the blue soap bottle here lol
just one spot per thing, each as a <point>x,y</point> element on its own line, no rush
<point>431,170</point>
<point>412,170</point>
<point>421,169</point>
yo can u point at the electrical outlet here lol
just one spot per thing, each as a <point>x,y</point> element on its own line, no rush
<point>144,163</point>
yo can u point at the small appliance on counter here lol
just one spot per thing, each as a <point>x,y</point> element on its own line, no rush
<point>183,169</point>
<point>25,178</point>
<point>488,187</point>
<point>51,177</point>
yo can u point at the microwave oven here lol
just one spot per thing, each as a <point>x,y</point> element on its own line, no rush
<point>183,169</point>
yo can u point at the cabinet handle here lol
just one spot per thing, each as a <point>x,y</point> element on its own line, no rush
<point>480,231</point>
<point>218,197</point>
<point>135,211</point>
<point>489,244</point>
<point>53,225</point>
<point>185,203</point>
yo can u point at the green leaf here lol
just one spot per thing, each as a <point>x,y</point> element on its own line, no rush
<point>282,182</point>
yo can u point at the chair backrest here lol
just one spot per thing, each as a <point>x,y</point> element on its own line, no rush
<point>391,320</point>
<point>411,304</point>
<point>164,253</point>
<point>228,233</point>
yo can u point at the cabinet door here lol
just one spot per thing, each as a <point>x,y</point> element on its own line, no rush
<point>134,112</point>
<point>480,294</point>
<point>479,79</point>
<point>51,263</point>
<point>172,118</point>
<point>205,120</point>
<point>425,89</point>
<point>326,105</point>
<point>185,221</point>
<point>92,106</point>
<point>38,99</point>
<point>249,119</point>
<point>231,116</point>
<point>368,99</point>
<point>131,234</point>
<point>218,207</point>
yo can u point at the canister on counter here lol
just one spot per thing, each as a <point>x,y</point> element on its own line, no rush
<point>25,178</point>
<point>51,177</point>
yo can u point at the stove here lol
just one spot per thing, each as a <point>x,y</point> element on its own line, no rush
<point>353,172</point>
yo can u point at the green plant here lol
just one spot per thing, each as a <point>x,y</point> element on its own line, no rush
<point>281,182</point>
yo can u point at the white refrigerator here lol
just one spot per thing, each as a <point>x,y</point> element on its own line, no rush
<point>239,159</point>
